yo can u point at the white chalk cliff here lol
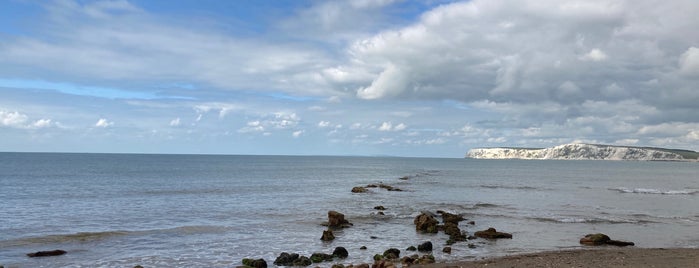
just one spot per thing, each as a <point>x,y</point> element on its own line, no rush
<point>578,152</point>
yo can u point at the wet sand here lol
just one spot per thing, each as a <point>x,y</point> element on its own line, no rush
<point>606,257</point>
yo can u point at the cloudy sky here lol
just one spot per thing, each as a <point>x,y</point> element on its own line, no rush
<point>346,77</point>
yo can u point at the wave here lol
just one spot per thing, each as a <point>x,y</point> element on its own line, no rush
<point>586,220</point>
<point>82,237</point>
<point>494,186</point>
<point>654,191</point>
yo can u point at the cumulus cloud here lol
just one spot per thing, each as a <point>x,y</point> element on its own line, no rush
<point>297,133</point>
<point>388,126</point>
<point>594,55</point>
<point>103,123</point>
<point>15,119</point>
<point>175,122</point>
<point>689,61</point>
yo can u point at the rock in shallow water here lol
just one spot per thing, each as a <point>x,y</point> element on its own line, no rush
<point>47,253</point>
<point>340,252</point>
<point>602,239</point>
<point>337,220</point>
<point>327,236</point>
<point>256,263</point>
<point>425,223</point>
<point>491,233</point>
<point>427,246</point>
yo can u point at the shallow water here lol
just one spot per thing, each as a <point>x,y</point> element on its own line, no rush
<point>212,211</point>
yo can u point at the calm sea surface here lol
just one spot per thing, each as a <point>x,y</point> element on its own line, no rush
<point>120,210</point>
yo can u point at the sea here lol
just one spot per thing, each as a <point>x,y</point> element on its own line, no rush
<point>123,210</point>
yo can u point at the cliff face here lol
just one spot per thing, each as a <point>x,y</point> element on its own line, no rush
<point>576,152</point>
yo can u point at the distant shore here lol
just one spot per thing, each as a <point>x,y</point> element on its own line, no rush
<point>598,257</point>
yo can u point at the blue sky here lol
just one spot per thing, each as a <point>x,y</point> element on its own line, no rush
<point>346,77</point>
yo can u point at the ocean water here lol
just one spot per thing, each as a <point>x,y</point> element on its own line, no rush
<point>121,210</point>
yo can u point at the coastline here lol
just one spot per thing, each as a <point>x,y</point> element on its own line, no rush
<point>596,257</point>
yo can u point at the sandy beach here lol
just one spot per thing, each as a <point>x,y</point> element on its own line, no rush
<point>605,257</point>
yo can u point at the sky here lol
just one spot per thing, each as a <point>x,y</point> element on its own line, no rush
<point>422,78</point>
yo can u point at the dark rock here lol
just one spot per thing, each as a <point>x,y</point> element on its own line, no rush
<point>411,248</point>
<point>302,261</point>
<point>594,239</point>
<point>338,266</point>
<point>327,236</point>
<point>389,187</point>
<point>381,213</point>
<point>379,208</point>
<point>392,253</point>
<point>454,233</point>
<point>383,264</point>
<point>415,259</point>
<point>378,257</point>
<point>374,237</point>
<point>359,189</point>
<point>256,263</point>
<point>362,265</point>
<point>447,250</point>
<point>472,222</point>
<point>372,186</point>
<point>405,178</point>
<point>491,233</point>
<point>602,239</point>
<point>137,266</point>
<point>471,246</point>
<point>427,246</point>
<point>47,253</point>
<point>337,220</point>
<point>451,218</point>
<point>321,257</point>
<point>425,223</point>
<point>286,259</point>
<point>363,248</point>
<point>340,252</point>
<point>620,243</point>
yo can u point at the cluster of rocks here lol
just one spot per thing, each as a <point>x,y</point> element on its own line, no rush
<point>427,223</point>
<point>364,189</point>
<point>294,259</point>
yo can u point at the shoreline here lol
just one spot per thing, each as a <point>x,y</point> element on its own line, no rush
<point>594,257</point>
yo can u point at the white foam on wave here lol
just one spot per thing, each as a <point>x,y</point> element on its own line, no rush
<point>654,191</point>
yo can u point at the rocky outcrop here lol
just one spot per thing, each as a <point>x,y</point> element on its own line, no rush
<point>328,235</point>
<point>491,233</point>
<point>426,246</point>
<point>340,252</point>
<point>426,223</point>
<point>602,239</point>
<point>578,151</point>
<point>359,189</point>
<point>49,253</point>
<point>255,263</point>
<point>337,220</point>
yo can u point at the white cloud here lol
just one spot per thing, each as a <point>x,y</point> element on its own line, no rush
<point>103,123</point>
<point>323,124</point>
<point>19,120</point>
<point>297,134</point>
<point>388,126</point>
<point>594,55</point>
<point>42,123</point>
<point>175,122</point>
<point>12,119</point>
<point>389,83</point>
<point>689,61</point>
